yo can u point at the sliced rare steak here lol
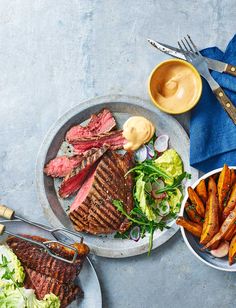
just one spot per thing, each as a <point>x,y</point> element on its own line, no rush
<point>100,123</point>
<point>78,175</point>
<point>92,210</point>
<point>114,140</point>
<point>62,165</point>
<point>34,257</point>
<point>44,285</point>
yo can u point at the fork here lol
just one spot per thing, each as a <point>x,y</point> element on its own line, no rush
<point>192,55</point>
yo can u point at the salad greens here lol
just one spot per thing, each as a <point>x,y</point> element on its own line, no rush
<point>171,163</point>
<point>11,270</point>
<point>141,197</point>
<point>11,297</point>
<point>157,194</point>
<point>137,218</point>
<point>12,292</point>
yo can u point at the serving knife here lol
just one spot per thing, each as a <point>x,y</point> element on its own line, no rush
<point>214,65</point>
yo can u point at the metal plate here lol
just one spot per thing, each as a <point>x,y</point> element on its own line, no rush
<point>122,107</point>
<point>193,243</point>
<point>87,278</point>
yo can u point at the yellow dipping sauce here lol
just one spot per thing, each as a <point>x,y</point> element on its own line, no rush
<point>175,86</point>
<point>137,131</point>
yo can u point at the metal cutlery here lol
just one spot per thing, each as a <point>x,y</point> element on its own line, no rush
<point>192,55</point>
<point>8,213</point>
<point>45,245</point>
<point>212,64</point>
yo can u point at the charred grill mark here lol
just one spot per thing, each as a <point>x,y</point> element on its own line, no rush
<point>110,175</point>
<point>77,223</point>
<point>71,183</point>
<point>99,218</point>
<point>106,206</point>
<point>40,261</point>
<point>108,219</point>
<point>98,229</point>
<point>96,214</point>
<point>45,284</point>
<point>46,274</point>
<point>110,194</point>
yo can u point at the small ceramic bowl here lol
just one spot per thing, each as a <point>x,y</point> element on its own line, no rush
<point>162,76</point>
<point>193,243</point>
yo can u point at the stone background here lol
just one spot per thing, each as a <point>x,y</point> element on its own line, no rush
<point>56,53</point>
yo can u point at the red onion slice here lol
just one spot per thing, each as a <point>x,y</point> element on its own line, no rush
<point>161,143</point>
<point>135,233</point>
<point>141,154</point>
<point>161,195</point>
<point>150,150</point>
<point>158,196</point>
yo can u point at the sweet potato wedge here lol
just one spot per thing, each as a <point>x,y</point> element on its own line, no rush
<point>212,187</point>
<point>229,235</point>
<point>192,227</point>
<point>192,213</point>
<point>197,202</point>
<point>230,203</point>
<point>211,223</point>
<point>223,186</point>
<point>227,224</point>
<point>232,250</point>
<point>202,191</point>
<point>233,177</point>
<point>216,176</point>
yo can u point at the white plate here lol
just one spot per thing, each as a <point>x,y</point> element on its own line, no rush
<point>193,243</point>
<point>87,278</point>
<point>122,107</point>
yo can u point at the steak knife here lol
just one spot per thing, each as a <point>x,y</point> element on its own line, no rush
<point>214,65</point>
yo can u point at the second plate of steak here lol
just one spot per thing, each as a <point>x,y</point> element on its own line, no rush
<point>43,284</point>
<point>34,257</point>
<point>92,210</point>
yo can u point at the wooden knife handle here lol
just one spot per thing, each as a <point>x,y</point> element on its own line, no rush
<point>226,103</point>
<point>231,69</point>
<point>6,212</point>
<point>2,229</point>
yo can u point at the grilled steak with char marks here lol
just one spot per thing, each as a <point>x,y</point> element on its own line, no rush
<point>43,285</point>
<point>114,140</point>
<point>34,257</point>
<point>76,178</point>
<point>100,123</point>
<point>92,210</point>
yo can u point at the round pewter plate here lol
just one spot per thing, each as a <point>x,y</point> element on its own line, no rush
<point>122,108</point>
<point>87,279</point>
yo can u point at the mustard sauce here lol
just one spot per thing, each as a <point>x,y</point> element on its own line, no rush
<point>137,131</point>
<point>175,87</point>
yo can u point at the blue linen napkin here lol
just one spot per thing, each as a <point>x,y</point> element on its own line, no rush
<point>212,132</point>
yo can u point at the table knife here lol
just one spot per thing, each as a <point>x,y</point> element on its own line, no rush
<point>214,65</point>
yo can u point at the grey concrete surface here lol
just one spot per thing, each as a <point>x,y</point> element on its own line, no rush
<point>55,54</point>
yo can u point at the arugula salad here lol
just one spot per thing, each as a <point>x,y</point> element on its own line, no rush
<point>158,192</point>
